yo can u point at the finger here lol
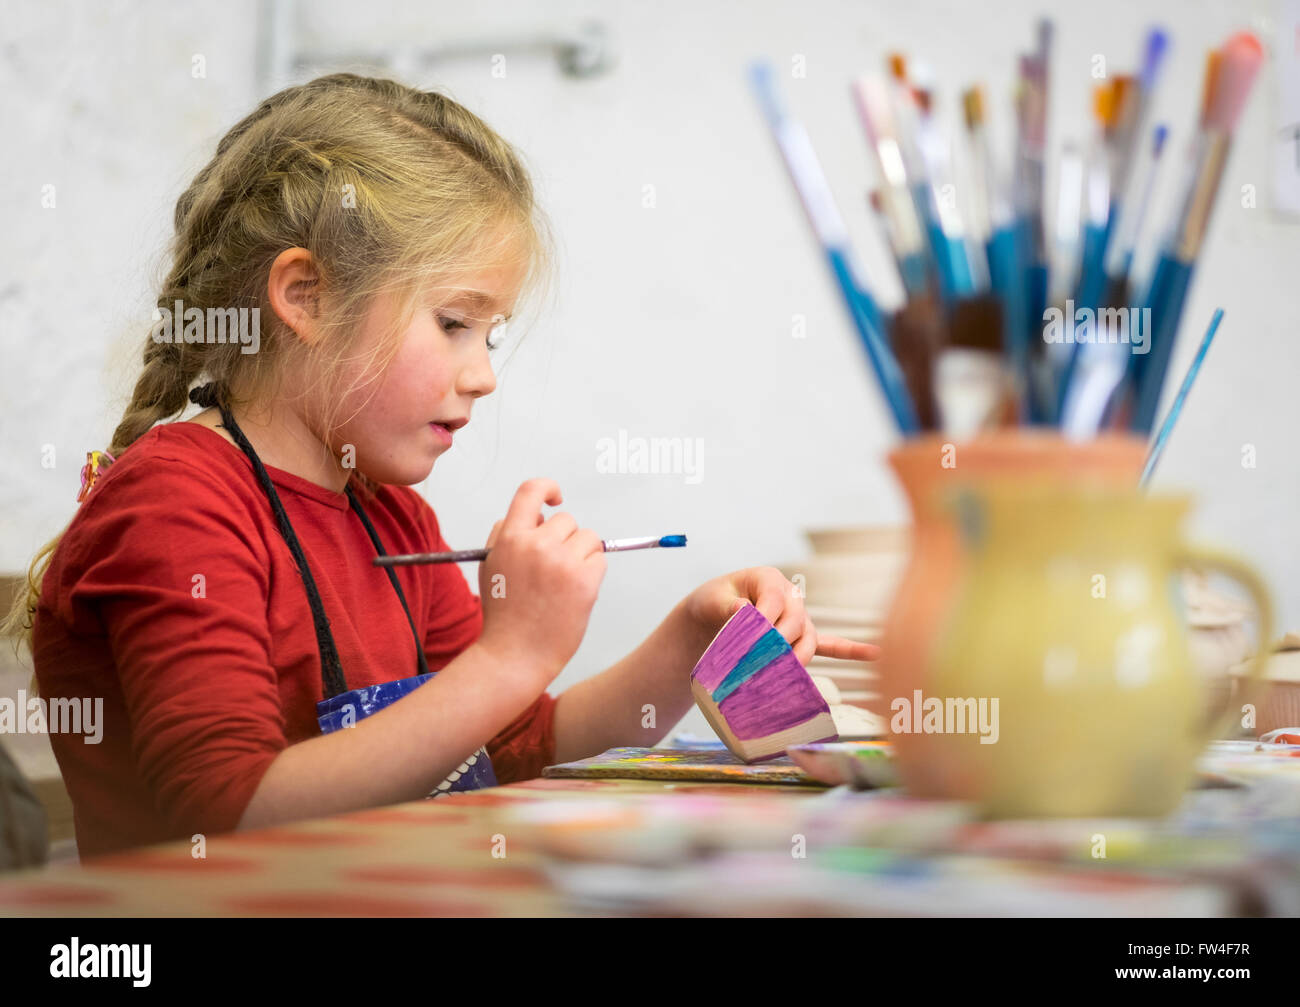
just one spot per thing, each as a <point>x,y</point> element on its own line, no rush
<point>492,535</point>
<point>770,601</point>
<point>788,606</point>
<point>526,507</point>
<point>846,650</point>
<point>585,542</point>
<point>790,624</point>
<point>558,527</point>
<point>806,646</point>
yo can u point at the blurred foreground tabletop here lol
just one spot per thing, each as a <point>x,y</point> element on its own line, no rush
<point>582,846</point>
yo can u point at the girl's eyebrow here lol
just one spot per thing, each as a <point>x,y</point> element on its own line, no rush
<point>477,299</point>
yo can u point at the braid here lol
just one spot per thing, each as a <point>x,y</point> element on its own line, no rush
<point>160,391</point>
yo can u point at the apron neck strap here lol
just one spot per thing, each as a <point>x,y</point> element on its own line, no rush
<point>392,579</point>
<point>333,682</point>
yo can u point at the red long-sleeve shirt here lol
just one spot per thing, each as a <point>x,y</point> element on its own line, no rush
<point>174,598</point>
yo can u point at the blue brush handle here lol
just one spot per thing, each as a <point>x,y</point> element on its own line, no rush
<point>1040,411</point>
<point>866,317</point>
<point>1006,276</point>
<point>938,248</point>
<point>956,268</point>
<point>950,256</point>
<point>1031,290</point>
<point>1175,410</point>
<point>1092,272</point>
<point>1092,286</point>
<point>912,268</point>
<point>828,226</point>
<point>955,279</point>
<point>1147,370</point>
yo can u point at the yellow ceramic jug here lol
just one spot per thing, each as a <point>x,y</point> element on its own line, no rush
<point>1062,684</point>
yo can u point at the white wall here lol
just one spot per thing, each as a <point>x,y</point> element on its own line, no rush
<point>672,321</point>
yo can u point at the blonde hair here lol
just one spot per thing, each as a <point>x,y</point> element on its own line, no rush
<point>392,190</point>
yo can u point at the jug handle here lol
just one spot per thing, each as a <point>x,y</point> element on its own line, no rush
<point>1242,572</point>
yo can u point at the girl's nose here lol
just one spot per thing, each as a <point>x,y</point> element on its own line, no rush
<point>478,378</point>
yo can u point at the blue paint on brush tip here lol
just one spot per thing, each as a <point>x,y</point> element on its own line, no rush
<point>671,541</point>
<point>1157,45</point>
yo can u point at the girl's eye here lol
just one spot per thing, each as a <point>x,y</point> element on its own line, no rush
<point>450,325</point>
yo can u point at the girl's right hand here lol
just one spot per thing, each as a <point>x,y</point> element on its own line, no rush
<point>539,582</point>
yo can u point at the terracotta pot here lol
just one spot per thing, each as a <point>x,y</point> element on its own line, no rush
<point>1047,696</point>
<point>928,469</point>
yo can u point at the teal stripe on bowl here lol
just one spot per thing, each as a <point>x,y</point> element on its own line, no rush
<point>767,649</point>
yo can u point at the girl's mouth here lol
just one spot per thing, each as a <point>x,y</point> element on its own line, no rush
<point>445,429</point>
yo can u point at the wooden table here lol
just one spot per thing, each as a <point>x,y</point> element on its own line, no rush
<point>454,856</point>
<point>569,846</point>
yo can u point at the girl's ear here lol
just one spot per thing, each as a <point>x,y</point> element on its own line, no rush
<point>292,288</point>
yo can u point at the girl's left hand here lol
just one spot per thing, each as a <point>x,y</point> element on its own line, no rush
<point>714,602</point>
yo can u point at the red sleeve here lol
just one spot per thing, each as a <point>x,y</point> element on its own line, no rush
<point>527,745</point>
<point>178,590</point>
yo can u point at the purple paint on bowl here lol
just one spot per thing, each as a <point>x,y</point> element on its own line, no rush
<point>788,698</point>
<point>733,642</point>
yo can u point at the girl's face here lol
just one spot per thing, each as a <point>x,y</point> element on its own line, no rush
<point>399,424</point>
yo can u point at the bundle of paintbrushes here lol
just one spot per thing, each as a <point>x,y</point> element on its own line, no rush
<point>1017,312</point>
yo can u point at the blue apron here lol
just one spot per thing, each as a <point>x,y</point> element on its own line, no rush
<point>343,707</point>
<point>347,708</point>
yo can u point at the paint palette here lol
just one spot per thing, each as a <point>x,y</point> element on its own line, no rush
<point>711,765</point>
<point>862,765</point>
<point>754,692</point>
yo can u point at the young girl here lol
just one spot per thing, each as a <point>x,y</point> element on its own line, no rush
<point>217,581</point>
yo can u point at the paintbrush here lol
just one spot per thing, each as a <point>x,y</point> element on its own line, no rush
<point>1067,248</point>
<point>972,383</point>
<point>1134,123</point>
<point>1175,410</point>
<point>1125,111</point>
<point>829,227</point>
<point>948,240</point>
<point>983,207</point>
<point>1119,256</point>
<point>1098,203</point>
<point>1031,117</point>
<point>906,112</point>
<point>917,335</point>
<point>923,155</point>
<point>1105,364</point>
<point>478,555</point>
<point>1119,404</point>
<point>1091,279</point>
<point>1227,87</point>
<point>916,331</point>
<point>896,204</point>
<point>999,230</point>
<point>1118,190</point>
